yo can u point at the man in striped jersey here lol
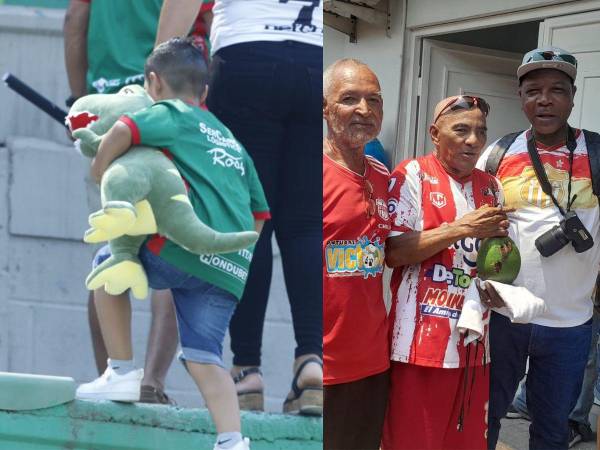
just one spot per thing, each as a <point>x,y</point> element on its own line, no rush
<point>440,207</point>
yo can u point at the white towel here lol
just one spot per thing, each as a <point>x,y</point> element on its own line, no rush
<point>471,316</point>
<point>521,306</point>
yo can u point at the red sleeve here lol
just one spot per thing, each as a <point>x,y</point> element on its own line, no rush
<point>261,215</point>
<point>206,6</point>
<point>135,131</point>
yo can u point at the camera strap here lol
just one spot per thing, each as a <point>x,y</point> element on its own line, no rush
<point>541,173</point>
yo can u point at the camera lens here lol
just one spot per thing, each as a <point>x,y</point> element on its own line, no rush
<point>551,241</point>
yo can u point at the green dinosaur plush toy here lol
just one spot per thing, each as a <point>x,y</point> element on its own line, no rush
<point>142,193</point>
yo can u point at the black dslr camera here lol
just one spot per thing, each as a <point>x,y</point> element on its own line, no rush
<point>570,229</point>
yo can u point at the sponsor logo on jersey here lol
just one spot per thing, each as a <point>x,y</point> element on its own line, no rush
<point>224,159</point>
<point>468,247</point>
<point>454,276</point>
<point>438,199</point>
<point>102,84</point>
<point>221,263</point>
<point>392,206</point>
<point>382,209</point>
<point>426,177</point>
<point>363,257</point>
<point>215,136</point>
<point>441,303</point>
<point>531,191</point>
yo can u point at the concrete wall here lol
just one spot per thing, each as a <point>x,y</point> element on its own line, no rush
<point>43,211</point>
<point>111,426</point>
<point>383,54</point>
<point>428,12</point>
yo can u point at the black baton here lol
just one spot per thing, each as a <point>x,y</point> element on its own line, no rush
<point>34,97</point>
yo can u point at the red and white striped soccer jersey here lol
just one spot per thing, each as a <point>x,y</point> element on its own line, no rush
<point>356,224</point>
<point>428,297</point>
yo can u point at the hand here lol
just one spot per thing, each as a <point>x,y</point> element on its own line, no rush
<point>489,296</point>
<point>487,221</point>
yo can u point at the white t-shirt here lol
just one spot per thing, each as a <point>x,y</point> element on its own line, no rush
<point>237,21</point>
<point>566,279</point>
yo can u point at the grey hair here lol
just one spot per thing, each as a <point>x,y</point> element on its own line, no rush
<point>328,77</point>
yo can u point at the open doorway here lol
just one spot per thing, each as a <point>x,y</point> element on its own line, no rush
<point>479,62</point>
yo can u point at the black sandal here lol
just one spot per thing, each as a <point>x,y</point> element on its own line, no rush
<point>252,399</point>
<point>307,400</point>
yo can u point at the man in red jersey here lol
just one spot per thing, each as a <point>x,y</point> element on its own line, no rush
<point>440,207</point>
<point>356,224</point>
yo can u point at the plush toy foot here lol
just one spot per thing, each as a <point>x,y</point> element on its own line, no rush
<point>145,222</point>
<point>117,274</point>
<point>111,222</point>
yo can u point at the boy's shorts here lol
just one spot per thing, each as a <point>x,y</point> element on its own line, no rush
<point>203,310</point>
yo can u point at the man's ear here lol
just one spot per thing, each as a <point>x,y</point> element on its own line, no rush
<point>434,133</point>
<point>325,108</point>
<point>204,95</point>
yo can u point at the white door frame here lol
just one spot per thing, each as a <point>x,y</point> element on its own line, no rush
<point>409,81</point>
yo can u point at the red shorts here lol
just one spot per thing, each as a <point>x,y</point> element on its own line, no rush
<point>424,407</point>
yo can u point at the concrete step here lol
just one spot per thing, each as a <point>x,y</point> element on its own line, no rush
<point>19,391</point>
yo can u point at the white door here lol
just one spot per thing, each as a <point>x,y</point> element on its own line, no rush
<point>450,69</point>
<point>580,35</point>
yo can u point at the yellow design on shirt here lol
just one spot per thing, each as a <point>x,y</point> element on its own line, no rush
<point>525,190</point>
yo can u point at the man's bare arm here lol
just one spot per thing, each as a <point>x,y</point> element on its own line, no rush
<point>414,247</point>
<point>75,30</point>
<point>114,143</point>
<point>176,18</point>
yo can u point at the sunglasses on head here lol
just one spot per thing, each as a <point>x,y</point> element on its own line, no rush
<point>550,55</point>
<point>464,102</point>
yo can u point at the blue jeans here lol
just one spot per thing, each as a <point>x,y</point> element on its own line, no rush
<point>203,310</point>
<point>581,411</point>
<point>270,95</point>
<point>557,359</point>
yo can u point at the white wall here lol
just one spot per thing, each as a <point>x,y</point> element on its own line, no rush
<point>383,55</point>
<point>429,12</point>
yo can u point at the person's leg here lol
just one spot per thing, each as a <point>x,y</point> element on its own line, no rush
<point>519,403</point>
<point>161,346</point>
<point>355,412</point>
<point>243,97</point>
<point>581,411</point>
<point>556,364</point>
<point>120,381</point>
<point>473,401</point>
<point>204,312</point>
<point>100,355</point>
<point>219,393</point>
<point>298,224</point>
<point>114,316</point>
<point>246,327</point>
<point>420,407</point>
<point>509,345</point>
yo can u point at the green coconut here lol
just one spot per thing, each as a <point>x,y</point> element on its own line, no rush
<point>498,260</point>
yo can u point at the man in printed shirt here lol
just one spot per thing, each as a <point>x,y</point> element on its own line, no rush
<point>440,206</point>
<point>355,226</point>
<point>557,342</point>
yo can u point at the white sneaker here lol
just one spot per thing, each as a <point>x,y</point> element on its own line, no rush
<point>244,444</point>
<point>112,386</point>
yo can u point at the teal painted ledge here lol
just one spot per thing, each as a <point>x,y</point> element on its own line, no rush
<point>107,425</point>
